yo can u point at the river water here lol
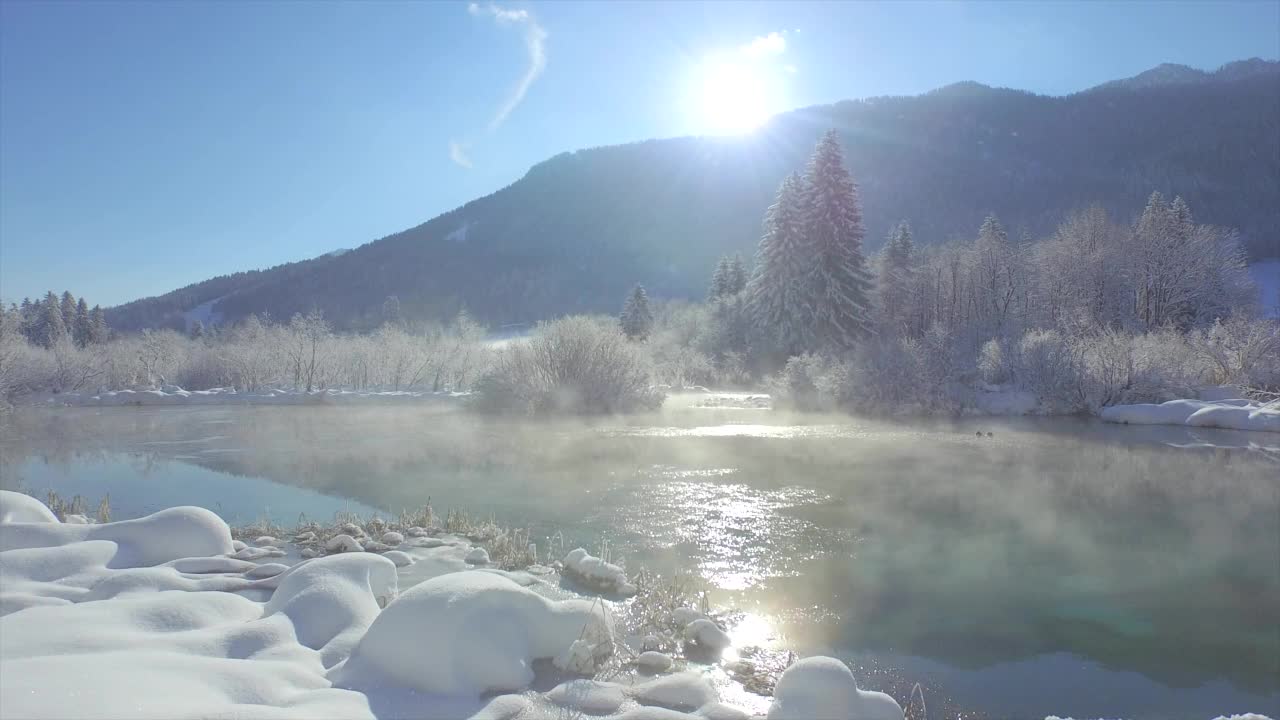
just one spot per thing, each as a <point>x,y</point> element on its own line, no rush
<point>1055,566</point>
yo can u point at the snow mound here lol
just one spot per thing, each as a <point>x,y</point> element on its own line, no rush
<point>588,696</point>
<point>683,616</point>
<point>654,661</point>
<point>343,543</point>
<point>823,687</point>
<point>682,691</point>
<point>704,633</point>
<point>478,556</point>
<point>597,574</point>
<point>16,507</point>
<point>171,534</point>
<point>1232,414</point>
<point>401,559</point>
<point>469,633</point>
<point>331,600</point>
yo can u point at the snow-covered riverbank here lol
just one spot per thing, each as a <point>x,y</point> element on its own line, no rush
<point>1233,414</point>
<point>173,395</point>
<point>167,616</point>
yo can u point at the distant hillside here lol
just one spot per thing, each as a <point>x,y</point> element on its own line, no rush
<point>578,229</point>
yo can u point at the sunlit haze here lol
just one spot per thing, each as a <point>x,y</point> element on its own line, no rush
<point>160,144</point>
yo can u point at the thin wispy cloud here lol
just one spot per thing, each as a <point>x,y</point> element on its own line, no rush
<point>535,41</point>
<point>775,43</point>
<point>458,153</point>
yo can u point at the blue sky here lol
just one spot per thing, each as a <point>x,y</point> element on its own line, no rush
<point>148,145</point>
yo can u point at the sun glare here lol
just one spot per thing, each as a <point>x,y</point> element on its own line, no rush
<point>735,97</point>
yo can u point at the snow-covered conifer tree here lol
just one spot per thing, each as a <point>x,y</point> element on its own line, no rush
<point>636,319</point>
<point>776,301</point>
<point>839,286</point>
<point>897,270</point>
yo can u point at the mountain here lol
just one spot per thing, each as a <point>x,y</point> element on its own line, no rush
<point>1173,74</point>
<point>581,228</point>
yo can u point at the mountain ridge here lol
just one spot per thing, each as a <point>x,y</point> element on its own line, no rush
<point>579,228</point>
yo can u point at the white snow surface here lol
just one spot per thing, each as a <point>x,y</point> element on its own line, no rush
<point>1232,414</point>
<point>202,313</point>
<point>823,687</point>
<point>173,395</point>
<point>165,616</point>
<point>469,633</point>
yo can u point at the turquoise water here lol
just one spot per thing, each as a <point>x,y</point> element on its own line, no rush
<point>1057,567</point>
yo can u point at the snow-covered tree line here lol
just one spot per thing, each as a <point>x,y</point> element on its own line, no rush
<point>1100,312</point>
<point>254,355</point>
<point>52,319</point>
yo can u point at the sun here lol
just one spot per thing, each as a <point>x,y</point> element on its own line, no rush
<point>734,96</point>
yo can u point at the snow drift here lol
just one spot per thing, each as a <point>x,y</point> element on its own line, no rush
<point>165,617</point>
<point>1228,414</point>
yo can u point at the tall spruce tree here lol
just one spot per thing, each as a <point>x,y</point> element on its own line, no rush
<point>636,319</point>
<point>51,329</point>
<point>777,305</point>
<point>719,280</point>
<point>893,287</point>
<point>736,276</point>
<point>68,308</point>
<point>29,319</point>
<point>83,328</point>
<point>839,286</point>
<point>99,332</point>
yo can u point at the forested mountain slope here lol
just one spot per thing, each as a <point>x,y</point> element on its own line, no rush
<point>578,230</point>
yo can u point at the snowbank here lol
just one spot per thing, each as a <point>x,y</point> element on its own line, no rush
<point>1228,414</point>
<point>823,687</point>
<point>173,395</point>
<point>166,616</point>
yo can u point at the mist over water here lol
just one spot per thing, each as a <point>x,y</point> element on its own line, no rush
<point>1055,566</point>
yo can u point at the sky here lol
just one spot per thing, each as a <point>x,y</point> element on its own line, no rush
<point>148,145</point>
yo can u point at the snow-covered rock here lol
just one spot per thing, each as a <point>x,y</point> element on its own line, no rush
<point>469,633</point>
<point>596,573</point>
<point>706,634</point>
<point>653,661</point>
<point>823,687</point>
<point>588,696</point>
<point>392,538</point>
<point>343,543</point>
<point>681,691</point>
<point>683,616</point>
<point>401,559</point>
<point>478,556</point>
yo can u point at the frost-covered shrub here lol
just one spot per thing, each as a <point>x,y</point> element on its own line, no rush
<point>1050,366</point>
<point>1241,351</point>
<point>991,363</point>
<point>577,365</point>
<point>797,385</point>
<point>1119,368</point>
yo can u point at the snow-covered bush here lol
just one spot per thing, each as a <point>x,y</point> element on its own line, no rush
<point>992,364</point>
<point>575,364</point>
<point>1241,351</point>
<point>596,573</point>
<point>1050,366</point>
